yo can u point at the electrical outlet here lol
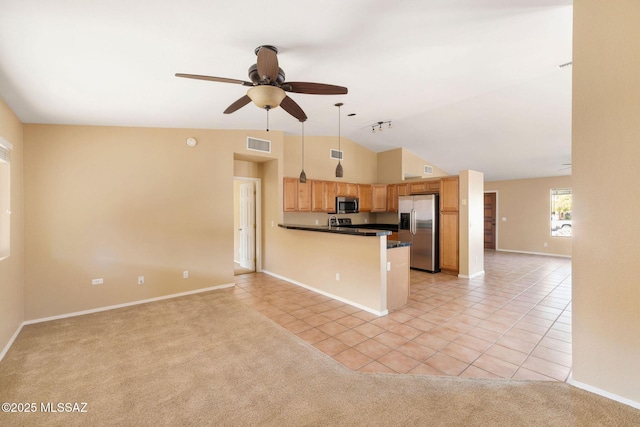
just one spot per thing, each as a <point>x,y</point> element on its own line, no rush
<point>185,274</point>
<point>337,277</point>
<point>388,266</point>
<point>97,281</point>
<point>140,280</point>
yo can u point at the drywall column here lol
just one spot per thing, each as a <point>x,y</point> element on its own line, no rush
<point>606,131</point>
<point>471,237</point>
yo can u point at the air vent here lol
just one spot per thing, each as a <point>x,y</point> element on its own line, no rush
<point>336,154</point>
<point>428,170</point>
<point>262,145</point>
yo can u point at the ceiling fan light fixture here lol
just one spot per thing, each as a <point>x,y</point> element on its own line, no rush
<point>266,96</point>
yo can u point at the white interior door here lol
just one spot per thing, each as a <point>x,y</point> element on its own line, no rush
<point>248,226</point>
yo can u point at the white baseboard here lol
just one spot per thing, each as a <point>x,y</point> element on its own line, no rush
<point>10,343</point>
<point>327,294</point>
<point>602,393</point>
<point>127,304</point>
<point>533,253</point>
<point>478,274</point>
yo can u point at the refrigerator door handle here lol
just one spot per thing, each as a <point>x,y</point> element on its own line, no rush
<point>413,221</point>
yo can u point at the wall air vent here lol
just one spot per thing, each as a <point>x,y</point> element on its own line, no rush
<point>428,170</point>
<point>336,154</point>
<point>255,144</point>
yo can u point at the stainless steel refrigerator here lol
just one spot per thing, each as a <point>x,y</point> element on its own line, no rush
<point>418,224</point>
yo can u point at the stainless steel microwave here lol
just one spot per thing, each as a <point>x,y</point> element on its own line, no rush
<point>347,205</point>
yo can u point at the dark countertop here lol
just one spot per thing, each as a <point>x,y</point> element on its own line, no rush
<point>354,231</point>
<point>389,227</point>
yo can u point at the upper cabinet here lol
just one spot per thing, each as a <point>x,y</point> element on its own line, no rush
<point>449,194</point>
<point>392,198</point>
<point>364,194</point>
<point>421,187</point>
<point>347,189</point>
<point>379,198</point>
<point>290,202</point>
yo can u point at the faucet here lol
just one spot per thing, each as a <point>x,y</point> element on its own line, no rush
<point>331,218</point>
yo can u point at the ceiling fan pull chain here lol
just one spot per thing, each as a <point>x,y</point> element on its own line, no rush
<point>267,108</point>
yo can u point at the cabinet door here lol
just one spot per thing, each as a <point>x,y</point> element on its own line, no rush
<point>304,196</point>
<point>330,192</point>
<point>290,189</point>
<point>379,198</point>
<point>402,189</point>
<point>347,189</point>
<point>449,241</point>
<point>433,186</point>
<point>449,194</point>
<point>418,187</point>
<point>364,194</point>
<point>392,198</point>
<point>317,196</point>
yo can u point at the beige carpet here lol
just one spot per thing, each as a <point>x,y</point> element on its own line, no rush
<point>207,359</point>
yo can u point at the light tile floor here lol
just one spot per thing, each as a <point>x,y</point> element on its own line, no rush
<point>513,322</point>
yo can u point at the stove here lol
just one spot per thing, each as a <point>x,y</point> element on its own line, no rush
<point>339,222</point>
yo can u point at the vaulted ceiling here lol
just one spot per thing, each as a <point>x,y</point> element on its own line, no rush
<point>467,84</point>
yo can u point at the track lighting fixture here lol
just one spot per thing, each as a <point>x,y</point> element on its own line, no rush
<point>379,126</point>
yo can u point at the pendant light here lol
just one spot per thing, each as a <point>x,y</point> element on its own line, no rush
<point>339,170</point>
<point>303,176</point>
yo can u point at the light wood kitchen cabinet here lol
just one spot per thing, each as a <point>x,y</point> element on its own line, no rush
<point>364,194</point>
<point>379,198</point>
<point>290,197</point>
<point>304,196</point>
<point>402,189</point>
<point>422,187</point>
<point>347,189</point>
<point>330,192</point>
<point>392,198</point>
<point>449,225</point>
<point>449,242</point>
<point>418,187</point>
<point>449,194</point>
<point>317,196</point>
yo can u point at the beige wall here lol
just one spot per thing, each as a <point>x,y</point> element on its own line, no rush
<point>360,164</point>
<point>118,203</point>
<point>396,165</point>
<point>12,268</point>
<point>606,149</point>
<point>525,203</point>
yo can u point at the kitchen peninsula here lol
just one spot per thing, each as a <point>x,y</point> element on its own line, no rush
<point>357,266</point>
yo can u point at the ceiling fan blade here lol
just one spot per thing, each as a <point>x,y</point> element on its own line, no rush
<point>268,62</point>
<point>237,105</point>
<point>291,107</point>
<point>214,79</point>
<point>314,88</point>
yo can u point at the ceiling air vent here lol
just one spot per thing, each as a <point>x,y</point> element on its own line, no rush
<point>336,154</point>
<point>255,144</point>
<point>428,170</point>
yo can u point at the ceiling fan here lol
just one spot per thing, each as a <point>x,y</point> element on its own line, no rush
<point>268,86</point>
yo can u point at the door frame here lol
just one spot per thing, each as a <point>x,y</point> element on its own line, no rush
<point>497,216</point>
<point>257,182</point>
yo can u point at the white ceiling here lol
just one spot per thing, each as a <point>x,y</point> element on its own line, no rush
<point>467,84</point>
